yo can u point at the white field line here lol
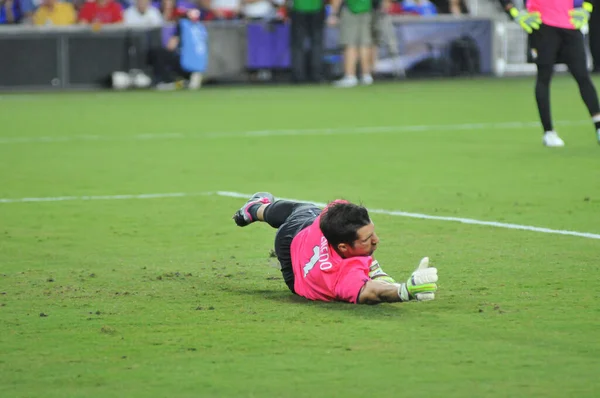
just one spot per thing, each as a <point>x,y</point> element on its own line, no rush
<point>287,132</point>
<point>104,197</point>
<point>321,204</point>
<point>442,218</point>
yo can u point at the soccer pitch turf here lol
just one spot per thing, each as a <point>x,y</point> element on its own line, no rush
<point>104,295</point>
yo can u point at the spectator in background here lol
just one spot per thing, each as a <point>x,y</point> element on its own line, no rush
<point>142,14</point>
<point>356,37</point>
<point>101,12</point>
<point>454,7</point>
<point>10,12</point>
<point>222,9</point>
<point>172,10</point>
<point>423,8</point>
<point>307,25</point>
<point>167,61</point>
<point>260,9</point>
<point>78,4</point>
<point>54,12</point>
<point>382,30</point>
<point>167,10</point>
<point>28,7</point>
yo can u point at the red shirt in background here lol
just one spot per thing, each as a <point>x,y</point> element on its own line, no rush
<point>109,12</point>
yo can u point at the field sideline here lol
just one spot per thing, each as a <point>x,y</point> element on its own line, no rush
<point>122,274</point>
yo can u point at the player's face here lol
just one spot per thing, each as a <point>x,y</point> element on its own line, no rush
<point>366,243</point>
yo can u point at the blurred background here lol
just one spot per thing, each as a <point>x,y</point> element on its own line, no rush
<point>171,44</point>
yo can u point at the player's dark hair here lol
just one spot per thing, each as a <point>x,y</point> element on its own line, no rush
<point>340,222</point>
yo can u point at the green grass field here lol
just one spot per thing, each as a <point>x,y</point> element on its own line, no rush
<point>165,297</point>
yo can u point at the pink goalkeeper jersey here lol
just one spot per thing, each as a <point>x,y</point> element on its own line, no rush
<point>320,273</point>
<point>554,12</point>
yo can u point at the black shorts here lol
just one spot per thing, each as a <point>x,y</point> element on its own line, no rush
<point>550,45</point>
<point>302,217</point>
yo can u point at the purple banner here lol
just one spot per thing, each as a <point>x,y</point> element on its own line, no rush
<point>268,46</point>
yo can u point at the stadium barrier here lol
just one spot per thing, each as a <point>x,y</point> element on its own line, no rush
<point>77,57</point>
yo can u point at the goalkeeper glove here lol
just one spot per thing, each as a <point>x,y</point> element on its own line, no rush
<point>421,285</point>
<point>581,16</point>
<point>528,20</point>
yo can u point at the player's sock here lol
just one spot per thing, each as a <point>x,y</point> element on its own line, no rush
<point>248,213</point>
<point>253,209</point>
<point>596,120</point>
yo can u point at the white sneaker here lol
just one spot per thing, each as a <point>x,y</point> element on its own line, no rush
<point>366,80</point>
<point>346,81</point>
<point>195,81</point>
<point>552,139</point>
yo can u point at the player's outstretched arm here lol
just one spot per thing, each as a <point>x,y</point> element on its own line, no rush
<point>376,291</point>
<point>421,286</point>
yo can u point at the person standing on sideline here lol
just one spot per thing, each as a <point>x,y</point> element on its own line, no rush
<point>555,37</point>
<point>307,25</point>
<point>383,34</point>
<point>356,36</point>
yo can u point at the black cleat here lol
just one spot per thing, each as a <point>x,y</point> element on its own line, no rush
<point>242,217</point>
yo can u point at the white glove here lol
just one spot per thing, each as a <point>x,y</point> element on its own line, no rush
<point>421,285</point>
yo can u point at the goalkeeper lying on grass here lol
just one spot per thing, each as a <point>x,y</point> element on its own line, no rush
<point>327,254</point>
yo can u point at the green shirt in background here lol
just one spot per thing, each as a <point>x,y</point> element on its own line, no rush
<point>359,6</point>
<point>308,5</point>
